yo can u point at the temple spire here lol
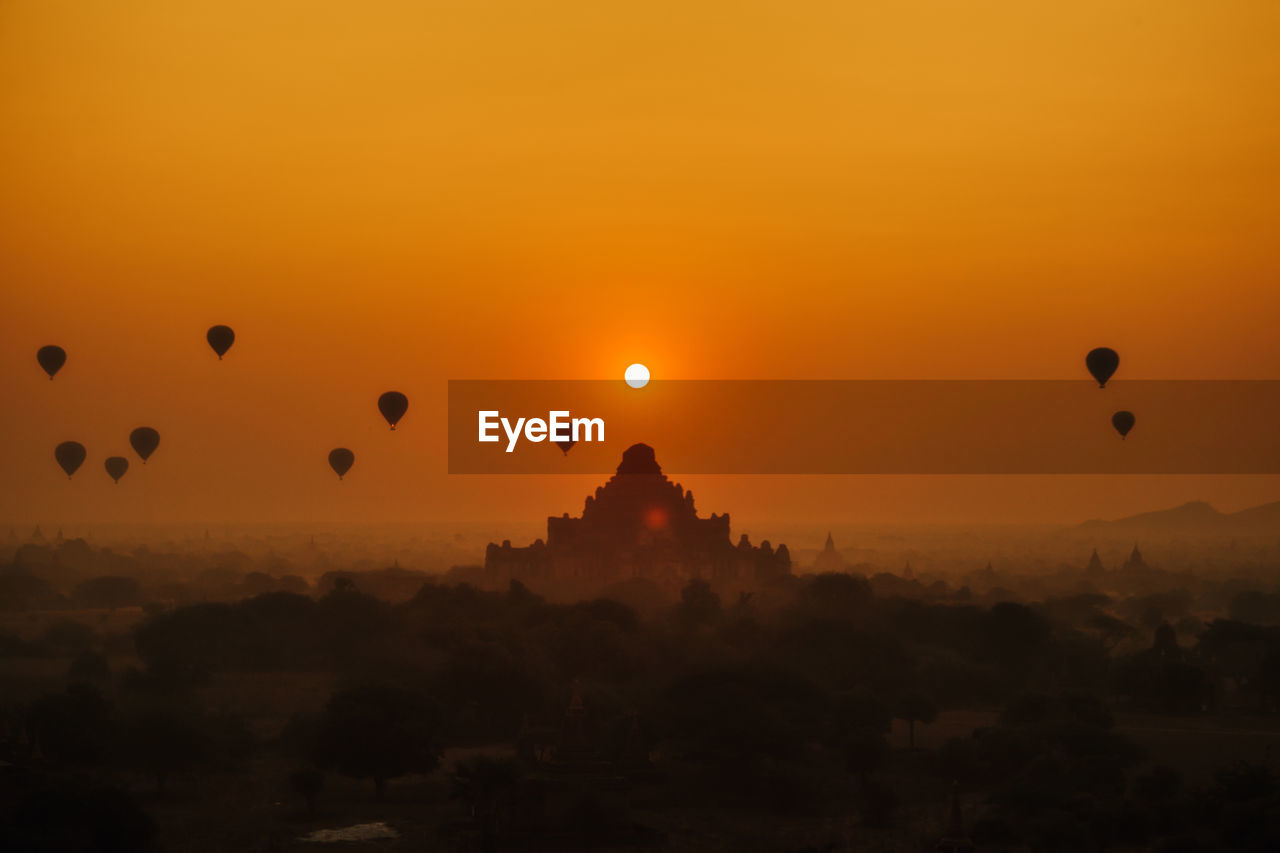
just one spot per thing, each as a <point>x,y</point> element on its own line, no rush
<point>954,840</point>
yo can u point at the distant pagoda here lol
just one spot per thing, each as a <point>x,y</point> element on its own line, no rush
<point>830,559</point>
<point>638,525</point>
<point>1135,563</point>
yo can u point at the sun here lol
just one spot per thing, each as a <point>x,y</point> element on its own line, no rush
<point>637,375</point>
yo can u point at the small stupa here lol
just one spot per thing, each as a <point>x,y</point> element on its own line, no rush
<point>829,560</point>
<point>954,840</point>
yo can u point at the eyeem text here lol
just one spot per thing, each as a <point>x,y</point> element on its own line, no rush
<point>558,426</point>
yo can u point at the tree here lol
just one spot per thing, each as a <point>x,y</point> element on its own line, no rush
<point>488,786</point>
<point>20,590</point>
<point>732,714</point>
<point>835,595</point>
<point>750,727</point>
<point>915,707</point>
<point>71,815</point>
<point>1014,636</point>
<point>67,637</point>
<point>89,667</point>
<point>1160,785</point>
<point>308,783</point>
<point>108,591</point>
<point>378,732</point>
<point>163,740</point>
<point>859,710</point>
<point>699,605</point>
<point>864,753</point>
<point>74,727</point>
<point>1267,682</point>
<point>879,802</point>
<point>1259,608</point>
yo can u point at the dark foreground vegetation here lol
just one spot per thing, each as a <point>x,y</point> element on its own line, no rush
<point>821,713</point>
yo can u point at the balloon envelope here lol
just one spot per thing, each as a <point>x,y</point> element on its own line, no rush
<point>341,460</point>
<point>1123,422</point>
<point>566,446</point>
<point>51,358</point>
<point>393,405</point>
<point>70,455</point>
<point>116,466</point>
<point>145,440</point>
<point>220,338</point>
<point>1102,363</point>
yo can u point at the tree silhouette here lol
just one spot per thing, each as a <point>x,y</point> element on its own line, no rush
<point>89,667</point>
<point>487,785</point>
<point>72,816</point>
<point>110,592</point>
<point>915,707</point>
<point>1267,683</point>
<point>378,732</point>
<point>699,605</point>
<point>878,801</point>
<point>865,753</point>
<point>68,637</point>
<point>308,783</point>
<point>1014,635</point>
<point>836,595</point>
<point>75,727</point>
<point>163,740</point>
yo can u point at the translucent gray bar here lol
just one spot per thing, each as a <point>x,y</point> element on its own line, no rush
<point>881,427</point>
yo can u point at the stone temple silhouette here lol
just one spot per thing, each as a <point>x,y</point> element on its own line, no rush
<point>638,525</point>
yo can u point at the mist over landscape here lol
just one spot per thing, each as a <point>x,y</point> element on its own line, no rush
<point>884,665</point>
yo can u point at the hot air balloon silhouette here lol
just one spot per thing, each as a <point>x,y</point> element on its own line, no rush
<point>70,455</point>
<point>51,358</point>
<point>1123,422</point>
<point>393,405</point>
<point>220,338</point>
<point>566,445</point>
<point>145,440</point>
<point>1102,363</point>
<point>116,466</point>
<point>341,460</point>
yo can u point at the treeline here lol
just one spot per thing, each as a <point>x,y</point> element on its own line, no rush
<point>780,701</point>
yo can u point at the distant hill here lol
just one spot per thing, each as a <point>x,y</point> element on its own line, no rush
<point>1267,514</point>
<point>1196,517</point>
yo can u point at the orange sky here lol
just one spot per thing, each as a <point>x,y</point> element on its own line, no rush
<point>390,194</point>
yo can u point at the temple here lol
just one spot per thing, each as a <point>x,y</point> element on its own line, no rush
<point>829,559</point>
<point>1135,563</point>
<point>638,525</point>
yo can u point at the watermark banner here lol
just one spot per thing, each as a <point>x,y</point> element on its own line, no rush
<point>867,427</point>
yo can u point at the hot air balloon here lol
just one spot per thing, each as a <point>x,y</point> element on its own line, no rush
<point>145,440</point>
<point>341,460</point>
<point>393,405</point>
<point>51,358</point>
<point>116,466</point>
<point>1102,363</point>
<point>1123,422</point>
<point>220,338</point>
<point>566,445</point>
<point>70,455</point>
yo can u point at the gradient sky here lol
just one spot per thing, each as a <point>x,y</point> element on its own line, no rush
<point>389,194</point>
